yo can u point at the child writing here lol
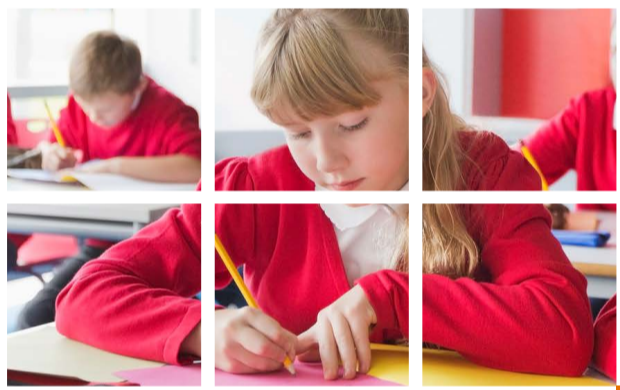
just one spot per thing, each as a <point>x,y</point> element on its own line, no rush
<point>136,299</point>
<point>346,122</point>
<point>123,118</point>
<point>583,138</point>
<point>337,82</point>
<point>497,286</point>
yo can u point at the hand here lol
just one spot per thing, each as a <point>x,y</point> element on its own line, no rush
<point>341,331</point>
<point>55,157</point>
<point>111,165</point>
<point>192,343</point>
<point>249,341</point>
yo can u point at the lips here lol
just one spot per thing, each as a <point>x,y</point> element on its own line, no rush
<point>346,185</point>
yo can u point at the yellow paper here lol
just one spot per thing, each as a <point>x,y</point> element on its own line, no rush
<point>391,366</point>
<point>447,368</point>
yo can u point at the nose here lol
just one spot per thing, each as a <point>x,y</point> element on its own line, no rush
<point>330,156</point>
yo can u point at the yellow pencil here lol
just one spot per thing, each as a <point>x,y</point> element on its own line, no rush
<point>530,157</point>
<point>243,288</point>
<point>55,129</point>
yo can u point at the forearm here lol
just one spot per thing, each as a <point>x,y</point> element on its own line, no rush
<point>171,169</point>
<point>191,345</point>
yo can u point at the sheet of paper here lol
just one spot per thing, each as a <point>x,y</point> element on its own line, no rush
<point>43,350</point>
<point>390,366</point>
<point>111,182</point>
<point>446,368</point>
<point>39,175</point>
<point>164,376</point>
<point>308,374</point>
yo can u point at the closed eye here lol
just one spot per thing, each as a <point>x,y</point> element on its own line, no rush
<point>355,126</point>
<point>298,136</point>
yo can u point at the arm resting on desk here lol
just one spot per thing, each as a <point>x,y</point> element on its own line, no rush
<point>529,314</point>
<point>136,299</point>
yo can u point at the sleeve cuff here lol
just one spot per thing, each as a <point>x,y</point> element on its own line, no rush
<point>173,345</point>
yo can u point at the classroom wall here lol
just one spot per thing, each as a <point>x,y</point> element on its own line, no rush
<point>549,56</point>
<point>236,34</point>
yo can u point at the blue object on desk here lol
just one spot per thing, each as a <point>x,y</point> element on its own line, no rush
<point>580,238</point>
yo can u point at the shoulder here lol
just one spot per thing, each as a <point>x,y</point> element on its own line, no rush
<point>490,164</point>
<point>273,170</point>
<point>158,100</point>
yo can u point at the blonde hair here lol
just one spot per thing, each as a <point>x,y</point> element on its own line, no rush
<point>105,62</point>
<point>448,249</point>
<point>308,62</point>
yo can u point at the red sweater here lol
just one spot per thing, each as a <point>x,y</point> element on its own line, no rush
<point>291,255</point>
<point>273,170</point>
<point>161,125</point>
<point>11,132</point>
<point>136,299</point>
<point>582,138</point>
<point>605,339</point>
<point>527,308</point>
<point>294,269</point>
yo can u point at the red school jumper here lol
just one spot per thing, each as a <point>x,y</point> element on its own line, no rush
<point>293,265</point>
<point>11,131</point>
<point>161,125</point>
<point>526,309</point>
<point>604,358</point>
<point>582,138</point>
<point>136,299</point>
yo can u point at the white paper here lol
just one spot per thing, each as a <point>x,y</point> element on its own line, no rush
<point>43,350</point>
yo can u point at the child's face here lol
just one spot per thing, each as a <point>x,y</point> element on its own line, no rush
<point>109,109</point>
<point>358,150</point>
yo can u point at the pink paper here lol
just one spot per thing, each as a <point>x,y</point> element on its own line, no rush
<point>164,376</point>
<point>308,374</point>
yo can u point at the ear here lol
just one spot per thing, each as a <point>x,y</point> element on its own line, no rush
<point>429,87</point>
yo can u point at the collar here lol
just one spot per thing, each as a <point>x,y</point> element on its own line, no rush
<point>346,217</point>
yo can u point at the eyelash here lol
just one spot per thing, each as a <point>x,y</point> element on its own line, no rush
<point>355,127</point>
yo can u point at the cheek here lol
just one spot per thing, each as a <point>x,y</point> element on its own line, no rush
<point>303,156</point>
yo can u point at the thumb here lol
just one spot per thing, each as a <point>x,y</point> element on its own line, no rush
<point>306,340</point>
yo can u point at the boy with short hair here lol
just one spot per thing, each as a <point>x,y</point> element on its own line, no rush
<point>123,118</point>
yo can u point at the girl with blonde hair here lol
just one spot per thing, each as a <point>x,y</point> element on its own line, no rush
<point>497,286</point>
<point>324,275</point>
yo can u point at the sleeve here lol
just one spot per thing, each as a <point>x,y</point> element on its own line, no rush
<point>11,131</point>
<point>510,172</point>
<point>533,315</point>
<point>554,145</point>
<point>233,174</point>
<point>604,358</point>
<point>72,125</point>
<point>136,299</point>
<point>182,133</point>
<point>234,225</point>
<point>388,293</point>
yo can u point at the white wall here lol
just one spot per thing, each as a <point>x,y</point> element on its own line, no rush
<point>236,34</point>
<point>446,34</point>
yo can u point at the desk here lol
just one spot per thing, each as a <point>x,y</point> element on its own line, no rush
<point>598,264</point>
<point>42,350</point>
<point>447,368</point>
<point>109,222</point>
<point>24,185</point>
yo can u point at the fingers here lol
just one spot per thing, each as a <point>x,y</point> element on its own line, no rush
<point>361,338</point>
<point>272,330</point>
<point>256,343</point>
<point>345,344</point>
<point>55,157</point>
<point>328,350</point>
<point>254,361</point>
<point>306,341</point>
